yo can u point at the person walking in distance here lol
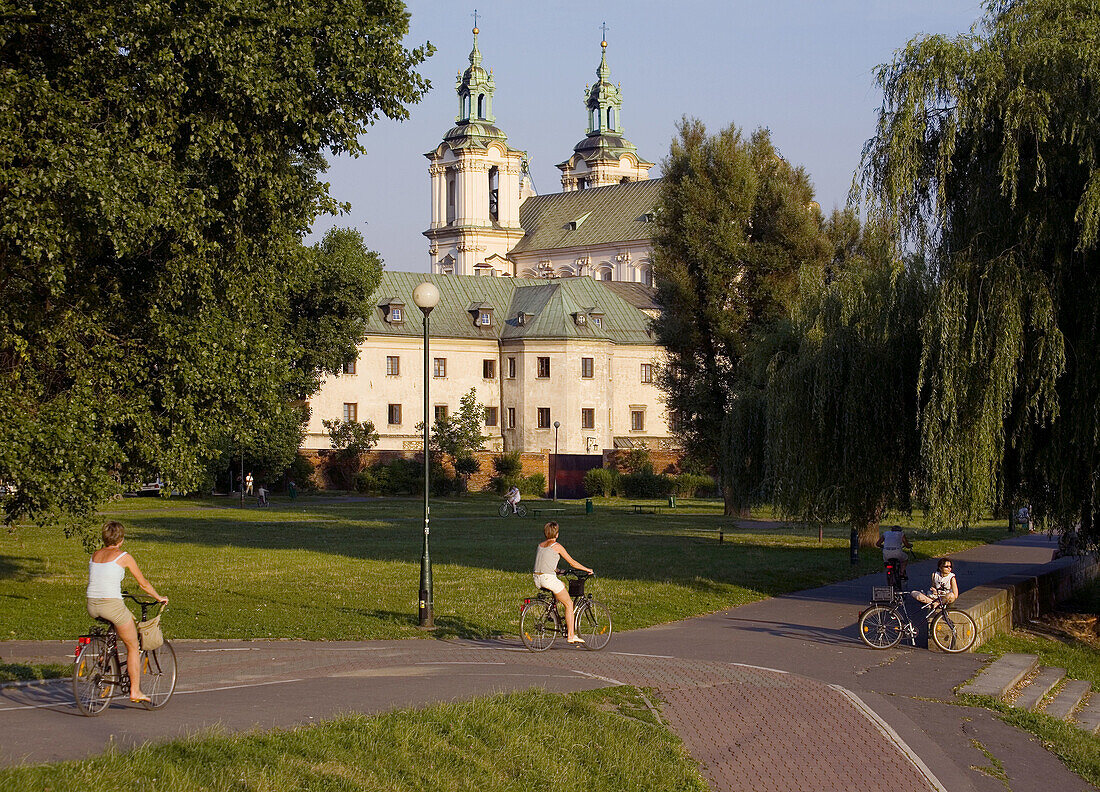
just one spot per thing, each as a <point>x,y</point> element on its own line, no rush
<point>248,483</point>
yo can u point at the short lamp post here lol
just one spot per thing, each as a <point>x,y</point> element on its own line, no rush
<point>557,425</point>
<point>426,297</point>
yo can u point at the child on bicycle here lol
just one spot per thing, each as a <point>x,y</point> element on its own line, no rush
<point>546,574</point>
<point>513,497</point>
<point>945,588</point>
<point>106,568</point>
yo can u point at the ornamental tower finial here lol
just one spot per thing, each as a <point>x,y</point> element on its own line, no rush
<point>475,88</point>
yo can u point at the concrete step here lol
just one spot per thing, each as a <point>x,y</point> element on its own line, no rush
<point>1067,699</point>
<point>1089,716</point>
<point>1001,675</point>
<point>1034,691</point>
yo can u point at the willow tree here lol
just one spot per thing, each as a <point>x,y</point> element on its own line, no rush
<point>734,224</point>
<point>986,154</point>
<point>840,392</point>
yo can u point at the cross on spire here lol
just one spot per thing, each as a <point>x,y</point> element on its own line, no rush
<point>474,15</point>
<point>603,29</point>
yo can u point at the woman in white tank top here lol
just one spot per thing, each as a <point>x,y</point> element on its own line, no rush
<point>546,564</point>
<point>106,568</point>
<point>944,585</point>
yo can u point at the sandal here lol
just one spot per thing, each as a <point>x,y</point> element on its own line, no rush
<point>140,700</point>
<point>576,639</point>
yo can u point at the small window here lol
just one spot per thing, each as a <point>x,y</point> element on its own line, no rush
<point>596,318</point>
<point>439,370</point>
<point>393,366</point>
<point>490,416</point>
<point>511,368</point>
<point>588,418</point>
<point>396,315</point>
<point>544,367</point>
<point>351,411</point>
<point>587,367</point>
<point>637,420</point>
<point>544,417</point>
<point>647,372</point>
<point>484,318</point>
<point>394,415</point>
<point>440,413</point>
<point>511,417</point>
<point>488,369</point>
<point>349,367</point>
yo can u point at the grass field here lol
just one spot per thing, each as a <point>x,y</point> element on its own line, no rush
<point>330,568</point>
<point>601,741</point>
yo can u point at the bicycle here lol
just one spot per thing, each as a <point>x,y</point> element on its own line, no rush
<point>541,622</point>
<point>99,668</point>
<point>506,508</point>
<point>883,625</point>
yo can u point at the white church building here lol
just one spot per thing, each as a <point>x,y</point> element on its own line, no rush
<point>546,300</point>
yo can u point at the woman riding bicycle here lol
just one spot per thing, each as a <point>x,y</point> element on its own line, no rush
<point>106,569</point>
<point>546,565</point>
<point>945,588</point>
<point>894,543</point>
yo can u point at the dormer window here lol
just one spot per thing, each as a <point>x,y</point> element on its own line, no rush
<point>597,319</point>
<point>485,318</point>
<point>393,311</point>
<point>482,313</point>
<point>580,319</point>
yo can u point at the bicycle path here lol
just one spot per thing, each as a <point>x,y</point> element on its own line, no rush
<point>775,695</point>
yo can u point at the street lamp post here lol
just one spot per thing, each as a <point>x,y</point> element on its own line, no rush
<point>557,425</point>
<point>426,297</point>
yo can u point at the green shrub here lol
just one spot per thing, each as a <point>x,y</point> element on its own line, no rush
<point>687,485</point>
<point>508,466</point>
<point>365,483</point>
<point>398,477</point>
<point>501,484</point>
<point>646,484</point>
<point>535,485</point>
<point>636,460</point>
<point>301,473</point>
<point>600,482</point>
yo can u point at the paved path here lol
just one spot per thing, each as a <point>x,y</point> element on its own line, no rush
<point>776,695</point>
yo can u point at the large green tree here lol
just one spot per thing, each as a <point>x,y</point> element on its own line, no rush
<point>735,222</point>
<point>986,153</point>
<point>159,165</point>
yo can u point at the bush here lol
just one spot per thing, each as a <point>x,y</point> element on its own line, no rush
<point>365,483</point>
<point>646,484</point>
<point>501,484</point>
<point>398,477</point>
<point>301,473</point>
<point>535,485</point>
<point>600,482</point>
<point>508,466</point>
<point>688,484</point>
<point>636,460</point>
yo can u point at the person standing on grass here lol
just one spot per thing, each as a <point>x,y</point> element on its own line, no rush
<point>261,495</point>
<point>546,574</point>
<point>106,568</point>
<point>248,483</point>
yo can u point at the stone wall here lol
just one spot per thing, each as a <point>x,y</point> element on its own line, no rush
<point>1013,600</point>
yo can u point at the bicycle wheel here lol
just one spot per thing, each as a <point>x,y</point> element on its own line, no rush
<point>537,626</point>
<point>954,631</point>
<point>158,675</point>
<point>504,509</point>
<point>521,510</point>
<point>880,627</point>
<point>593,621</point>
<point>95,676</point>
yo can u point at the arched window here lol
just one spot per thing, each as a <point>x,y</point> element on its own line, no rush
<point>591,120</point>
<point>451,199</point>
<point>481,105</point>
<point>605,273</point>
<point>611,118</point>
<point>466,106</point>
<point>494,193</point>
<point>646,274</point>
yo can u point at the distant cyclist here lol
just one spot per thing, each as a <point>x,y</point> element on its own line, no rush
<point>894,543</point>
<point>513,497</point>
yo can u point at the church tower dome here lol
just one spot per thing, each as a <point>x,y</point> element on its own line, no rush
<point>604,156</point>
<point>476,179</point>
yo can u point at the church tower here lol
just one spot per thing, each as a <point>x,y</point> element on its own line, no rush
<point>476,179</point>
<point>604,156</point>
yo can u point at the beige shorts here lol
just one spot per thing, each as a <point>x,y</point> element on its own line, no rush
<point>113,610</point>
<point>552,582</point>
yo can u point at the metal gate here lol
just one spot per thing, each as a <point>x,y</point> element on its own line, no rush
<point>569,470</point>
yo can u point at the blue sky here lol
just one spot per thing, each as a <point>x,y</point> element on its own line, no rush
<point>804,69</point>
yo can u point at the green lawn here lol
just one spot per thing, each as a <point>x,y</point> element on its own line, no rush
<point>327,568</point>
<point>602,741</point>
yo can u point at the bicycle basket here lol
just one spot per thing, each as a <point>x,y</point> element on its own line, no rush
<point>882,594</point>
<point>151,635</point>
<point>576,587</point>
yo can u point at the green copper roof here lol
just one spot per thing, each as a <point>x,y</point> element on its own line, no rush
<point>548,307</point>
<point>616,213</point>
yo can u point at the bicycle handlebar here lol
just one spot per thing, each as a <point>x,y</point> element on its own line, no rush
<point>145,604</point>
<point>577,573</point>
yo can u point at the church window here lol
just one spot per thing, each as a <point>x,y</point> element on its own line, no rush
<point>611,118</point>
<point>591,119</point>
<point>481,105</point>
<point>605,274</point>
<point>466,106</point>
<point>451,199</point>
<point>647,276</point>
<point>494,193</point>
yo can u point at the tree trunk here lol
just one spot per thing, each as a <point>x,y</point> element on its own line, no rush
<point>868,532</point>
